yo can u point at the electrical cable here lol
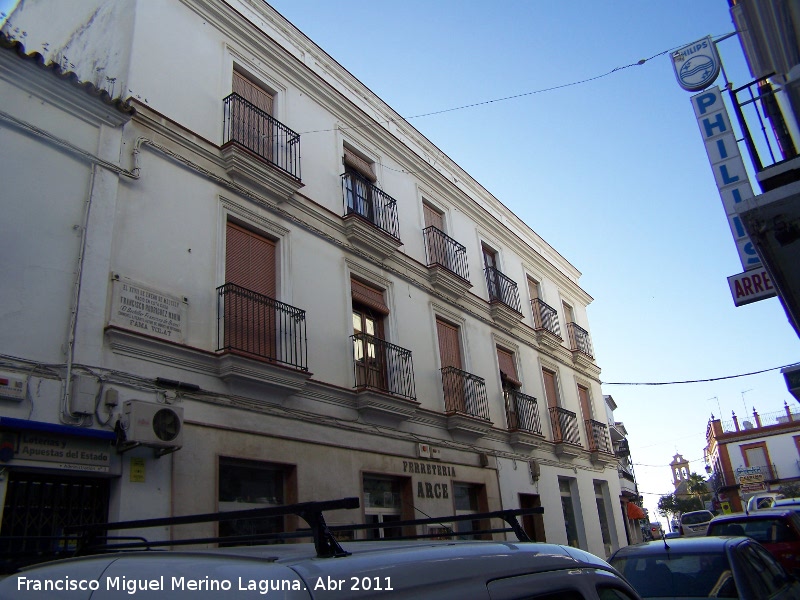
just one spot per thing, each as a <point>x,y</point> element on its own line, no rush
<point>697,380</point>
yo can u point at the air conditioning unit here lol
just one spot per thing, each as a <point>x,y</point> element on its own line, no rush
<point>155,425</point>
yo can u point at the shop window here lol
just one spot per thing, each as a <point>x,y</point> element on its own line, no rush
<point>383,504</point>
<point>568,508</point>
<point>602,515</point>
<point>245,484</point>
<point>469,499</point>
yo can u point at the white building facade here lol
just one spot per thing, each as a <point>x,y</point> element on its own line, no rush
<point>205,310</point>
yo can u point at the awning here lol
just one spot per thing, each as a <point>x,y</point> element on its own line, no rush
<point>635,512</point>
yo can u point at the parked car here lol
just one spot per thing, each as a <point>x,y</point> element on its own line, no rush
<point>791,503</point>
<point>703,567</point>
<point>762,500</point>
<point>379,570</point>
<point>778,530</point>
<point>695,523</point>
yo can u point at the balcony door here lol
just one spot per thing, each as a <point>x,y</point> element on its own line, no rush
<point>369,354</point>
<point>453,384</point>
<point>251,119</point>
<point>250,265</point>
<point>359,180</point>
<point>492,280</point>
<point>438,251</point>
<point>511,384</point>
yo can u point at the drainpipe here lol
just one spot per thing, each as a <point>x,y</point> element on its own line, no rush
<point>66,415</point>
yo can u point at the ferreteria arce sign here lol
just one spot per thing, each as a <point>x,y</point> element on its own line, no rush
<point>436,489</point>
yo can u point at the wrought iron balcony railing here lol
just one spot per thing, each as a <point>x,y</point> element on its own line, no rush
<point>597,434</point>
<point>260,326</point>
<point>368,201</point>
<point>464,393</point>
<point>522,412</point>
<point>382,366</point>
<point>443,250</point>
<point>502,289</point>
<point>545,317</point>
<point>262,134</point>
<point>565,426</point>
<point>579,340</point>
<point>765,131</point>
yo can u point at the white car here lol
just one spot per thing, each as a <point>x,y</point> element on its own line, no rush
<point>695,523</point>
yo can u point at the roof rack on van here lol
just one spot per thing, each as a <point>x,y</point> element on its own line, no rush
<point>94,538</point>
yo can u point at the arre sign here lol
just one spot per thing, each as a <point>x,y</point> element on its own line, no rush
<point>751,286</point>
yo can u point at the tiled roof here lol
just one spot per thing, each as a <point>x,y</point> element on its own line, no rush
<point>119,104</point>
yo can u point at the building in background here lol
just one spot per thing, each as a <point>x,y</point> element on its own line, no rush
<point>752,456</point>
<point>235,278</point>
<point>633,513</point>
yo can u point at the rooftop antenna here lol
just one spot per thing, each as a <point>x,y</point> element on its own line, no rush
<point>718,406</point>
<point>743,404</point>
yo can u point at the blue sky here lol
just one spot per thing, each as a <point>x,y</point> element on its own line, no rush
<point>611,172</point>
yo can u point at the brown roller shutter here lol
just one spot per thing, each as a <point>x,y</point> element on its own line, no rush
<point>449,347</point>
<point>508,369</point>
<point>250,319</point>
<point>368,296</point>
<point>433,218</point>
<point>583,396</point>
<point>550,388</point>
<point>355,162</point>
<point>252,93</point>
<point>250,261</point>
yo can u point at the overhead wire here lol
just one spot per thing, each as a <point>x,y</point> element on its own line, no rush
<point>697,380</point>
<point>386,123</point>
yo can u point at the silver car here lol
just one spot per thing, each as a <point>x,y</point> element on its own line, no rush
<point>329,568</point>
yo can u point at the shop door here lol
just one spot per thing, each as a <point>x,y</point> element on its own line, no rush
<point>39,507</point>
<point>532,524</point>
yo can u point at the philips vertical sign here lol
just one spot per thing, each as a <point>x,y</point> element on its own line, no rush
<point>728,167</point>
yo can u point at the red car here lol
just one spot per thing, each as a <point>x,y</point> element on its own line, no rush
<point>778,530</point>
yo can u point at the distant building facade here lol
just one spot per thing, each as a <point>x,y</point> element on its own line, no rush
<point>754,455</point>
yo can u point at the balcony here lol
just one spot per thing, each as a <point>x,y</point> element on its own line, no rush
<point>254,327</point>
<point>522,416</point>
<point>252,140</point>
<point>766,134</point>
<point>565,432</point>
<point>580,344</point>
<point>504,304</point>
<point>599,442</point>
<point>465,403</point>
<point>383,376</point>
<point>370,216</point>
<point>545,323</point>
<point>447,263</point>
